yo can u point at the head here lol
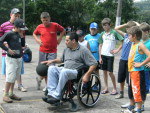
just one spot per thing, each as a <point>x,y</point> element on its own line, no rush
<point>145,27</point>
<point>19,25</point>
<point>14,14</point>
<point>130,24</point>
<point>135,33</point>
<point>80,34</point>
<point>71,40</point>
<point>45,18</point>
<point>106,22</point>
<point>93,28</point>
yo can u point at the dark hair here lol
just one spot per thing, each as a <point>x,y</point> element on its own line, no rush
<point>45,15</point>
<point>135,30</point>
<point>145,26</point>
<point>106,21</point>
<point>80,33</point>
<point>72,36</point>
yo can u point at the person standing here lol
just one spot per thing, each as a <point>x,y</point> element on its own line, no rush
<point>123,73</point>
<point>107,49</point>
<point>14,50</point>
<point>48,41</point>
<point>4,28</point>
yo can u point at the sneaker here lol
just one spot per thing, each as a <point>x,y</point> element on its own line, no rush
<point>14,97</point>
<point>38,83</point>
<point>127,111</point>
<point>7,99</point>
<point>21,88</point>
<point>119,96</point>
<point>44,89</point>
<point>125,105</point>
<point>142,108</point>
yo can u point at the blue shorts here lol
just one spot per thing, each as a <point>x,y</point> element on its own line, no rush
<point>147,81</point>
<point>4,66</point>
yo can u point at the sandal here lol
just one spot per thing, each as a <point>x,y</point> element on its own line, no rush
<point>104,92</point>
<point>114,93</point>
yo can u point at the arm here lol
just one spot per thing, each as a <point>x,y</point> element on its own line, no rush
<point>118,49</point>
<point>100,58</point>
<point>38,40</point>
<point>144,50</point>
<point>4,46</point>
<point>88,73</point>
<point>60,37</point>
<point>88,45</point>
<point>58,60</point>
<point>120,27</point>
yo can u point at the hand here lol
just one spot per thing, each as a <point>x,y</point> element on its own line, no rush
<point>101,61</point>
<point>11,52</point>
<point>47,62</point>
<point>85,78</point>
<point>39,42</point>
<point>137,64</point>
<point>114,51</point>
<point>147,65</point>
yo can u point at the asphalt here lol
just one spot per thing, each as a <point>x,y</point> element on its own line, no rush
<point>31,100</point>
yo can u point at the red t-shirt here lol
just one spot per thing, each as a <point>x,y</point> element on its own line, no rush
<point>48,36</point>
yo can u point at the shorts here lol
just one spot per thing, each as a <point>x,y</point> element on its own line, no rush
<point>147,81</point>
<point>4,66</point>
<point>123,73</point>
<point>47,56</point>
<point>13,70</point>
<point>137,88</point>
<point>108,62</point>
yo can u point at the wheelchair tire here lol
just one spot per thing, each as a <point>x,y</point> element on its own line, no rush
<point>86,91</point>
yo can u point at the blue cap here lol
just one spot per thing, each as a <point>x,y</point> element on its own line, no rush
<point>94,25</point>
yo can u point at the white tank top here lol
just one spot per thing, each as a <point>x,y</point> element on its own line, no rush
<point>84,43</point>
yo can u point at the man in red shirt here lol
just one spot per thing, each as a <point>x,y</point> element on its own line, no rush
<point>48,41</point>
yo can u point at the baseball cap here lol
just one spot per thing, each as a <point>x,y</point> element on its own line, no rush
<point>15,10</point>
<point>20,24</point>
<point>80,33</point>
<point>94,25</point>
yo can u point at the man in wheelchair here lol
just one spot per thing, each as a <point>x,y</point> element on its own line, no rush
<point>74,57</point>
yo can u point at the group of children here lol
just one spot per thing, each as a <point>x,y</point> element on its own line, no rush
<point>134,66</point>
<point>134,62</point>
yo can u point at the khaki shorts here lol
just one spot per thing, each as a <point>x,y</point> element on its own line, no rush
<point>13,68</point>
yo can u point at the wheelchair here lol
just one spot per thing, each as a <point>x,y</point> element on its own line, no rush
<point>86,95</point>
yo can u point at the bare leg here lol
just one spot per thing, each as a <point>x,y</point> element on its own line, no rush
<point>12,88</point>
<point>105,80</point>
<point>112,76</point>
<point>122,86</point>
<point>19,80</point>
<point>7,87</point>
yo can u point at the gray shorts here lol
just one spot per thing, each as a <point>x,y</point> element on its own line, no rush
<point>47,56</point>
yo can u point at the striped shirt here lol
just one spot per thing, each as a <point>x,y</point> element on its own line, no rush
<point>4,28</point>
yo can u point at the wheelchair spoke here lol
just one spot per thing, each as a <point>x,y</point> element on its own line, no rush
<point>87,99</point>
<point>92,97</point>
<point>83,94</point>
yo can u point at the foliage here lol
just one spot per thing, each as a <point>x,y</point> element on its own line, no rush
<point>144,11</point>
<point>77,13</point>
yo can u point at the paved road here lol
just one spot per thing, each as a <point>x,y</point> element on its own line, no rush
<point>31,100</point>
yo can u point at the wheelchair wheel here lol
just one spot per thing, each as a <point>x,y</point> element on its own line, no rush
<point>86,94</point>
